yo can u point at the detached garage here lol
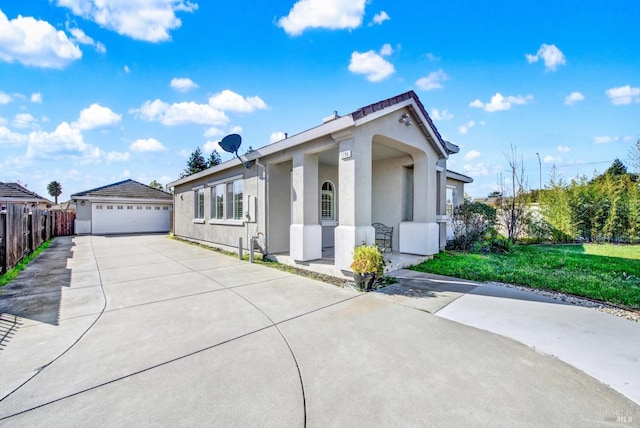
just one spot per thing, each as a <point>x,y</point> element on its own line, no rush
<point>123,207</point>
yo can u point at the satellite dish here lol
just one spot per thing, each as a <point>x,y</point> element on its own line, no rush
<point>230,144</point>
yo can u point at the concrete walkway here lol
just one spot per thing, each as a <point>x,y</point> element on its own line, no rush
<point>146,331</point>
<point>602,345</point>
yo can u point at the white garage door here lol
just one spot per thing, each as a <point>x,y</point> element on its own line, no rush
<point>136,218</point>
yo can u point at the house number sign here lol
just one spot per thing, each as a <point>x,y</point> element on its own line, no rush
<point>345,154</point>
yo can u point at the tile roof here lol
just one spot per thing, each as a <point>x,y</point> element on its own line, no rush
<point>372,108</point>
<point>18,192</point>
<point>125,189</point>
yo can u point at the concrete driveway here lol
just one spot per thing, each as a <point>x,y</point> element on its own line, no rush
<point>146,331</point>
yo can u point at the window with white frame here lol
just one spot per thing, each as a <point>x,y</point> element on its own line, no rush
<point>199,204</point>
<point>327,202</point>
<point>217,202</point>
<point>227,200</point>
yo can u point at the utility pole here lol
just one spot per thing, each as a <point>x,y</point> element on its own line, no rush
<point>540,169</point>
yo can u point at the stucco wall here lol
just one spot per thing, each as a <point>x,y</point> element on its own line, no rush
<point>279,206</point>
<point>391,193</point>
<point>223,233</point>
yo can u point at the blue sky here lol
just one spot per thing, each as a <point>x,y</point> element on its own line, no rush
<point>97,91</point>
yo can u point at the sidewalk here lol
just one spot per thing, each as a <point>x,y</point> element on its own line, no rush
<point>602,345</point>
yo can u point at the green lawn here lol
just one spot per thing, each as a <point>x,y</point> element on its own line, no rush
<point>604,272</point>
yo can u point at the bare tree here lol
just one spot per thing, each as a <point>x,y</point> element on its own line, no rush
<point>634,157</point>
<point>512,204</point>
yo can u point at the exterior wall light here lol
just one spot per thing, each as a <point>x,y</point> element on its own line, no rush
<point>405,119</point>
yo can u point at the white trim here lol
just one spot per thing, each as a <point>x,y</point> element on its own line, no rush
<point>224,180</point>
<point>227,222</point>
<point>198,187</point>
<point>198,220</point>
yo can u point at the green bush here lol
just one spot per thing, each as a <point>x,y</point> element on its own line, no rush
<point>471,222</point>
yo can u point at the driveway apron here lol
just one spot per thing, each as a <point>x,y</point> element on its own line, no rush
<point>145,330</point>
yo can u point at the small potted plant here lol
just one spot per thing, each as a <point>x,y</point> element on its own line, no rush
<point>367,266</point>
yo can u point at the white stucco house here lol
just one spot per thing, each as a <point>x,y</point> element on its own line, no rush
<point>325,187</point>
<point>123,207</point>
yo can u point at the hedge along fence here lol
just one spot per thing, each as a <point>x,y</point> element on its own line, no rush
<point>23,229</point>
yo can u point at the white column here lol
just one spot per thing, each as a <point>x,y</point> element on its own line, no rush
<point>354,198</point>
<point>305,238</point>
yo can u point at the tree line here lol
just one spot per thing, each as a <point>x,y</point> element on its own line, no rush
<point>605,208</point>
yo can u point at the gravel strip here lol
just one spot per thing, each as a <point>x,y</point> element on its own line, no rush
<point>574,300</point>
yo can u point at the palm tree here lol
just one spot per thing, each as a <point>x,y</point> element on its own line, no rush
<point>55,189</point>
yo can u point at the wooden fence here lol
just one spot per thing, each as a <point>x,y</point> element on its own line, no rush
<point>23,229</point>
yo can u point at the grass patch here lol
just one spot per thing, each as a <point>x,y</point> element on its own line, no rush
<point>605,272</point>
<point>12,273</point>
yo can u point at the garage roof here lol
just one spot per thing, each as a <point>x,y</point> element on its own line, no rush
<point>129,189</point>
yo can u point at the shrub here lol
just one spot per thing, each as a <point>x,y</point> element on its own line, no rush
<point>471,222</point>
<point>367,259</point>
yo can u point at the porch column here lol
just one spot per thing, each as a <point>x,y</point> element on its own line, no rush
<point>305,238</point>
<point>354,198</point>
<point>422,235</point>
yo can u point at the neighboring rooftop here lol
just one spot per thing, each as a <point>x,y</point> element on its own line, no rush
<point>16,192</point>
<point>125,189</point>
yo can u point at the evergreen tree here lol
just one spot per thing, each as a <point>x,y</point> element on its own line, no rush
<point>214,159</point>
<point>156,185</point>
<point>55,189</point>
<point>196,163</point>
<point>616,168</point>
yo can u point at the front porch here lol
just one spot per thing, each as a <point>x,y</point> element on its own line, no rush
<point>326,264</point>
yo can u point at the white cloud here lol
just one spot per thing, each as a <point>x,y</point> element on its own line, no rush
<point>80,37</point>
<point>127,69</point>
<point>65,140</point>
<point>36,97</point>
<point>148,20</point>
<point>96,116</point>
<point>628,138</point>
<point>148,145</point>
<point>184,153</point>
<point>441,115</point>
<point>5,98</point>
<point>552,56</point>
<point>230,101</point>
<point>551,159</point>
<point>471,155</point>
<point>117,156</point>
<point>564,149</point>
<point>379,18</point>
<point>182,84</point>
<point>213,132</point>
<point>464,128</point>
<point>210,146</point>
<point>605,139</point>
<point>236,129</point>
<point>386,50</point>
<point>478,169</point>
<point>432,81</point>
<point>573,98</point>
<point>330,14</point>
<point>432,57</point>
<point>23,120</point>
<point>9,137</point>
<point>373,66</point>
<point>499,102</point>
<point>35,43</point>
<point>180,113</point>
<point>623,95</point>
<point>126,173</point>
<point>276,136</point>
